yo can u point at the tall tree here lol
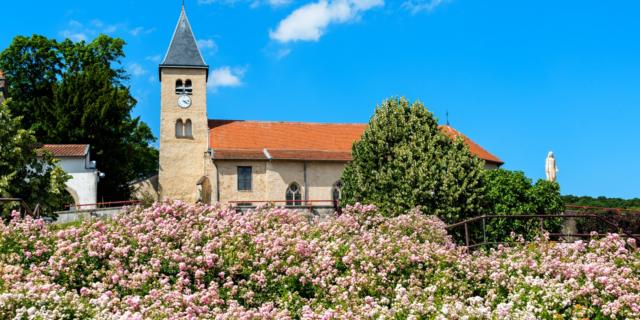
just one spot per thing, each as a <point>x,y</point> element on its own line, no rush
<point>24,174</point>
<point>403,161</point>
<point>75,92</point>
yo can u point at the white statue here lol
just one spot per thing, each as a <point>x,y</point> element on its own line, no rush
<point>550,167</point>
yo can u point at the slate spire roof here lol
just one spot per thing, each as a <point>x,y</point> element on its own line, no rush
<point>183,50</point>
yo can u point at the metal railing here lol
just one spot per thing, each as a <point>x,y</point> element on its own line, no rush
<point>292,204</point>
<point>25,209</point>
<point>541,217</point>
<point>107,204</point>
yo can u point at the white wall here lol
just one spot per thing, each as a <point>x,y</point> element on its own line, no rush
<point>83,182</point>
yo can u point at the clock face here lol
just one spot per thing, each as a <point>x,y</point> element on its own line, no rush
<point>184,101</point>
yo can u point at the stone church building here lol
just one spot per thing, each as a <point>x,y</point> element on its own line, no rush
<point>246,162</point>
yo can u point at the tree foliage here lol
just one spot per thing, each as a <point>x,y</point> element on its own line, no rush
<point>37,180</point>
<point>403,161</point>
<point>601,202</point>
<point>74,92</point>
<point>512,193</point>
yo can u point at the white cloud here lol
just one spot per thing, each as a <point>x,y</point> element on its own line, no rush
<point>136,69</point>
<point>105,28</point>
<point>277,3</point>
<point>78,31</point>
<point>283,52</point>
<point>155,58</point>
<point>74,36</point>
<point>417,6</point>
<point>208,45</point>
<point>225,77</point>
<point>141,30</point>
<point>309,22</point>
<point>252,3</point>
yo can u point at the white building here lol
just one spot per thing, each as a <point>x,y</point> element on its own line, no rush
<point>74,160</point>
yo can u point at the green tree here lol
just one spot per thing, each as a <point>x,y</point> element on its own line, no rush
<point>74,92</point>
<point>512,193</point>
<point>602,202</point>
<point>404,161</point>
<point>37,180</point>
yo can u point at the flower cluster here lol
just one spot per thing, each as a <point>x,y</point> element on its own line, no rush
<point>179,261</point>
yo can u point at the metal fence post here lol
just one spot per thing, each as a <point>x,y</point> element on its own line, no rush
<point>466,234</point>
<point>484,230</point>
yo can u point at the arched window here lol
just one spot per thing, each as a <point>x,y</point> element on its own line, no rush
<point>188,89</point>
<point>293,195</point>
<point>179,87</point>
<point>336,191</point>
<point>179,129</point>
<point>187,129</point>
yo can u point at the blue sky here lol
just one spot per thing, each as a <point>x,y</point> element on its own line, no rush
<point>521,78</point>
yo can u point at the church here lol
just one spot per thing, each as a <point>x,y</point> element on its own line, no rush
<point>247,162</point>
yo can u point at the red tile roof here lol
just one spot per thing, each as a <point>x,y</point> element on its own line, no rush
<point>231,134</point>
<point>66,150</point>
<point>238,139</point>
<point>475,148</point>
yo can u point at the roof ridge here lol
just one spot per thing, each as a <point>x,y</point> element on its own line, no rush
<point>291,122</point>
<point>281,149</point>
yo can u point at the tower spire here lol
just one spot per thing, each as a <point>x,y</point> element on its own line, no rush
<point>183,50</point>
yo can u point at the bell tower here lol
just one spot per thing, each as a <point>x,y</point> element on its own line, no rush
<point>184,130</point>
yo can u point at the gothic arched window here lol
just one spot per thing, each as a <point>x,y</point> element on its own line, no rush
<point>179,87</point>
<point>293,195</point>
<point>188,89</point>
<point>187,129</point>
<point>179,129</point>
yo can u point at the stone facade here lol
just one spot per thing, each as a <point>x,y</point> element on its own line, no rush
<point>183,160</point>
<point>270,179</point>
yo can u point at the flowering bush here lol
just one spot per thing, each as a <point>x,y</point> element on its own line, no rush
<point>180,261</point>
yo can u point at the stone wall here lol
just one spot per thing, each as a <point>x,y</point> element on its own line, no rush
<point>272,178</point>
<point>183,161</point>
<point>228,181</point>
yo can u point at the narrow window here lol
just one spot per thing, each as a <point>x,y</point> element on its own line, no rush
<point>179,129</point>
<point>187,129</point>
<point>293,195</point>
<point>244,178</point>
<point>188,89</point>
<point>179,87</point>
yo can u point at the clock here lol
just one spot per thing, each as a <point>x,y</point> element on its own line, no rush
<point>184,101</point>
